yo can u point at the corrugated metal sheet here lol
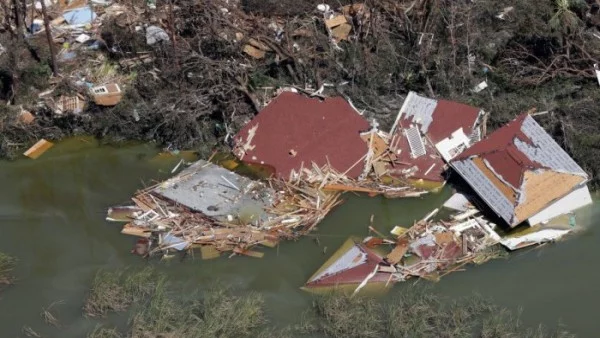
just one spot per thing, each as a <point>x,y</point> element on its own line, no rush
<point>485,189</point>
<point>545,150</point>
<point>419,109</point>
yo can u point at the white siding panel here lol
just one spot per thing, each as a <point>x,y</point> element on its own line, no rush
<point>575,200</point>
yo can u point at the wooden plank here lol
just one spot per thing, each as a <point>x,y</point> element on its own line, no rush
<point>135,231</point>
<point>341,32</point>
<point>145,207</point>
<point>444,238</point>
<point>250,253</point>
<point>38,149</point>
<point>342,187</point>
<point>254,52</point>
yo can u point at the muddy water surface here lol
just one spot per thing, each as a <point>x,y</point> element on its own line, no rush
<point>52,218</point>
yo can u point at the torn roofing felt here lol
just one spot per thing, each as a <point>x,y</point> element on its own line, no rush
<point>519,170</point>
<point>294,131</point>
<point>436,120</point>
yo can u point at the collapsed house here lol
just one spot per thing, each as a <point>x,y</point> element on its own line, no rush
<point>523,175</point>
<point>301,137</point>
<point>429,132</point>
<point>519,172</point>
<point>429,249</point>
<point>215,210</point>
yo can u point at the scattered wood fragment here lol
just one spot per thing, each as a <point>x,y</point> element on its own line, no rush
<point>38,149</point>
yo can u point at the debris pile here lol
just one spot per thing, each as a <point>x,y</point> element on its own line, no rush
<point>211,208</point>
<point>520,154</point>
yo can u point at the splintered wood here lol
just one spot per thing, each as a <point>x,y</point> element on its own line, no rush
<point>297,208</point>
<point>432,249</point>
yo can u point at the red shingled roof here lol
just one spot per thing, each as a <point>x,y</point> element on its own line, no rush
<point>501,153</point>
<point>448,116</point>
<point>294,130</point>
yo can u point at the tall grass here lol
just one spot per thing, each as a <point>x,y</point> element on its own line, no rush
<point>163,310</point>
<point>116,291</point>
<point>416,312</point>
<point>7,264</point>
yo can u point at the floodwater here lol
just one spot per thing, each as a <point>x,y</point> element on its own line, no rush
<point>52,218</point>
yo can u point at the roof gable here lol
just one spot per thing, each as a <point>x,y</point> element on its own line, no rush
<point>522,157</point>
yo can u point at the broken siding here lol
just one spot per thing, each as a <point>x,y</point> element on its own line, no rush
<point>545,150</point>
<point>485,189</point>
<point>417,109</point>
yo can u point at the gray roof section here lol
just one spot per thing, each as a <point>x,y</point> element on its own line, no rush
<point>420,109</point>
<point>485,189</point>
<point>218,193</point>
<point>545,150</point>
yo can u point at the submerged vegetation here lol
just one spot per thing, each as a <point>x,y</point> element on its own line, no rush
<point>7,264</point>
<point>163,310</point>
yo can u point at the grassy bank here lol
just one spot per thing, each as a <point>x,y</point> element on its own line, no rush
<point>157,308</point>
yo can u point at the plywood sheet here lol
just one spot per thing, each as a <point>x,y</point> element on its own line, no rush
<point>254,52</point>
<point>379,146</point>
<point>336,21</point>
<point>398,252</point>
<point>341,32</point>
<point>38,149</point>
<point>542,188</point>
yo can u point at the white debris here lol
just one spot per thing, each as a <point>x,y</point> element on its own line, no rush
<point>323,8</point>
<point>502,15</point>
<point>483,85</point>
<point>537,237</point>
<point>156,34</point>
<point>82,38</point>
<point>597,72</point>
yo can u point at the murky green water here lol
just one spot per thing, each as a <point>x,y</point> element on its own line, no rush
<point>52,218</point>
